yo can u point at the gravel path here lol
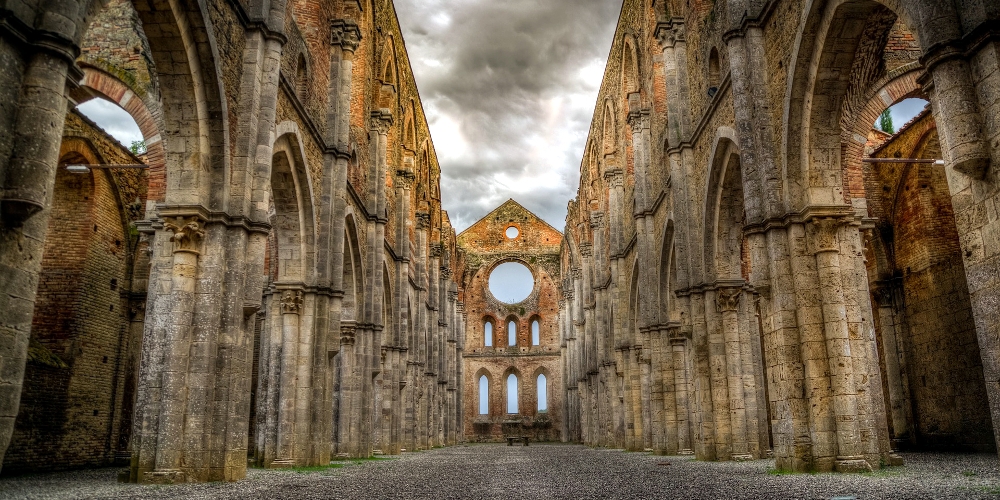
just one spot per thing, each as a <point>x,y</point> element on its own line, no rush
<point>546,472</point>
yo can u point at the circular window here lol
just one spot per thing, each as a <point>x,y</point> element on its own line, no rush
<point>512,232</point>
<point>511,282</point>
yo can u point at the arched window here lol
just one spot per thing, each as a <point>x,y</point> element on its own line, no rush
<point>511,333</point>
<point>302,77</point>
<point>543,393</point>
<point>484,395</point>
<point>713,72</point>
<point>535,338</point>
<point>511,393</point>
<point>488,333</point>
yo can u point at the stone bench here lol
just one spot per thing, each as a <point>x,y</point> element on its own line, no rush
<point>511,439</point>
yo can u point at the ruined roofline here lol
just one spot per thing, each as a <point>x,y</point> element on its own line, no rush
<point>920,116</point>
<point>604,80</point>
<point>495,210</point>
<point>128,152</point>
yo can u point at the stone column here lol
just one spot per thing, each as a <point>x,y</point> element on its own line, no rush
<point>956,111</point>
<point>347,441</point>
<point>704,419</point>
<point>291,305</point>
<point>891,327</point>
<point>679,339</point>
<point>728,302</point>
<point>31,126</point>
<point>849,456</point>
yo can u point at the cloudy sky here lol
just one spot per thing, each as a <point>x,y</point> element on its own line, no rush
<point>508,87</point>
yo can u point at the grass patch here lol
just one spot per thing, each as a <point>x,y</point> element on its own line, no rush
<point>968,473</point>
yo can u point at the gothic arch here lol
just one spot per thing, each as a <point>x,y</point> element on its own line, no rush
<point>723,190</point>
<point>609,128</point>
<point>147,115</point>
<point>353,272</point>
<point>194,103</point>
<point>666,276</point>
<point>293,220</point>
<point>630,69</point>
<point>811,150</point>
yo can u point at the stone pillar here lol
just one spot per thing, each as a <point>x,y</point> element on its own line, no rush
<point>956,111</point>
<point>331,242</point>
<point>728,303</point>
<point>679,341</point>
<point>891,327</point>
<point>31,126</point>
<point>844,402</point>
<point>291,305</point>
<point>347,440</point>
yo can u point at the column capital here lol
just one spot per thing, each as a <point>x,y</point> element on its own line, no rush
<point>188,233</point>
<point>345,34</point>
<point>615,177</point>
<point>670,33</point>
<point>381,121</point>
<point>824,233</point>
<point>348,329</point>
<point>405,177</point>
<point>596,220</point>
<point>291,302</point>
<point>423,220</point>
<point>728,299</point>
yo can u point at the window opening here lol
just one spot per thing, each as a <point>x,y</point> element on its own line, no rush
<point>512,393</point>
<point>543,393</point>
<point>534,333</point>
<point>512,232</point>
<point>484,395</point>
<point>511,282</point>
<point>511,333</point>
<point>488,334</point>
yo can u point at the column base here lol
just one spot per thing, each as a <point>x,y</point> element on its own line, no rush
<point>686,451</point>
<point>282,463</point>
<point>168,476</point>
<point>742,457</point>
<point>851,464</point>
<point>894,460</point>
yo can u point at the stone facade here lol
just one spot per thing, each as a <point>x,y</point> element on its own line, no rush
<point>277,284</point>
<point>536,245</point>
<point>741,280</point>
<point>741,273</point>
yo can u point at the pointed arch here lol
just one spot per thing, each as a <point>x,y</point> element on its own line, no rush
<point>353,272</point>
<point>512,391</point>
<point>630,68</point>
<point>292,216</point>
<point>609,127</point>
<point>725,164</point>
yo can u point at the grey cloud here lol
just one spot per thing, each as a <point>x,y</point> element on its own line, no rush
<point>508,74</point>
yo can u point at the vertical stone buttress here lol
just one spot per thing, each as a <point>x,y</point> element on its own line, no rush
<point>38,66</point>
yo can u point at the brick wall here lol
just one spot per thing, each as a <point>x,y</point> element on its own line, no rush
<point>923,257</point>
<point>485,245</point>
<point>72,400</point>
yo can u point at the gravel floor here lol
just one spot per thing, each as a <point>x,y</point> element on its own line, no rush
<point>548,471</point>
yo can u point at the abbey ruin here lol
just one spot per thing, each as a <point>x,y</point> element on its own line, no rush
<point>748,269</point>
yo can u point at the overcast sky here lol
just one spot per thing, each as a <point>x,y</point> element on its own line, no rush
<point>508,87</point>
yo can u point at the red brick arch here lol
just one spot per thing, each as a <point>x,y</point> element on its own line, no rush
<point>104,85</point>
<point>891,89</point>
